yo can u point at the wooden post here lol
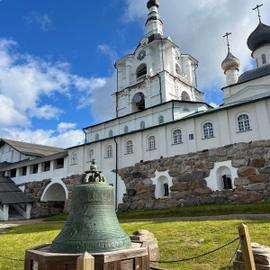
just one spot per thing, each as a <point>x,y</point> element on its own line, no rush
<point>248,258</point>
<point>86,262</point>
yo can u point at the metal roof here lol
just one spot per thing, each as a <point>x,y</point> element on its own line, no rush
<point>254,74</point>
<point>10,193</point>
<point>31,149</point>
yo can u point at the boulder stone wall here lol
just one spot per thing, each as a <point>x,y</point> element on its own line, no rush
<point>189,173</point>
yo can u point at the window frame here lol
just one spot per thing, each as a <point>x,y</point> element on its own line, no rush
<point>243,125</point>
<point>208,130</point>
<point>109,151</point>
<point>151,143</point>
<point>175,141</point>
<point>129,147</point>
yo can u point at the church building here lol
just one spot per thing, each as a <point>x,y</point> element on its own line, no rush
<point>166,147</point>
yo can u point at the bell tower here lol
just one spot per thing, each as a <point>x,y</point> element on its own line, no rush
<point>156,72</point>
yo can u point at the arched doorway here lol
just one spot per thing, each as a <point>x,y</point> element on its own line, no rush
<point>224,178</point>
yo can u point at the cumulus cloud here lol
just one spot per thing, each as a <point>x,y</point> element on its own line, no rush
<point>198,26</point>
<point>25,80</point>
<point>43,21</point>
<point>47,137</point>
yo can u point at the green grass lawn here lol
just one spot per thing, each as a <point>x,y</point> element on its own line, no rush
<point>189,211</point>
<point>176,240</point>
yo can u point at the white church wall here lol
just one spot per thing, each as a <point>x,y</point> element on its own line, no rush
<point>258,55</point>
<point>247,90</point>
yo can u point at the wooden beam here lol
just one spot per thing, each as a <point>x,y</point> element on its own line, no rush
<point>248,258</point>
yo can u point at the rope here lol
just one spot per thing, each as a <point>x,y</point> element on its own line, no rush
<point>11,259</point>
<point>201,255</point>
<point>233,256</point>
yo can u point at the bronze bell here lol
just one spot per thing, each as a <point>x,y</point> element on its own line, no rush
<point>92,225</point>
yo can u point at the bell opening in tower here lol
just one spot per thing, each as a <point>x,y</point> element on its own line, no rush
<point>138,102</point>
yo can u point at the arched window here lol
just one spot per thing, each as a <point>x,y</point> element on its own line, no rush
<point>177,69</point>
<point>264,59</point>
<point>97,137</point>
<point>161,119</point>
<point>125,129</point>
<point>243,123</point>
<point>151,143</point>
<point>208,131</point>
<point>110,133</point>
<point>138,102</point>
<point>185,96</point>
<point>162,187</point>
<point>109,151</point>
<point>129,147</point>
<point>177,136</point>
<point>224,178</point>
<point>142,125</point>
<point>90,154</point>
<point>141,71</point>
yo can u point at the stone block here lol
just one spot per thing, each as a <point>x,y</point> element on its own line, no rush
<point>256,187</point>
<point>241,181</point>
<point>247,171</point>
<point>259,178</point>
<point>239,163</point>
<point>258,163</point>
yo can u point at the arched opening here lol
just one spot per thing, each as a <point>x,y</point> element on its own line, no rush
<point>141,71</point>
<point>177,136</point>
<point>162,187</point>
<point>151,143</point>
<point>185,96</point>
<point>208,131</point>
<point>161,119</point>
<point>264,59</point>
<point>177,69</point>
<point>224,178</point>
<point>138,102</point>
<point>54,192</point>
<point>142,125</point>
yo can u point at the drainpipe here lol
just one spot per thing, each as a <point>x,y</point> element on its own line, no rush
<point>116,94</point>
<point>116,173</point>
<point>173,110</point>
<point>160,88</point>
<point>85,135</point>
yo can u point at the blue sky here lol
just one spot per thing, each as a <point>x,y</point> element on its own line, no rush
<point>56,57</point>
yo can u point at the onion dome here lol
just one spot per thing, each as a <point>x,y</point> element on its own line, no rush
<point>259,37</point>
<point>152,3</point>
<point>230,63</point>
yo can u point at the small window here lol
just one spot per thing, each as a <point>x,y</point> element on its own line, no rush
<point>191,137</point>
<point>177,136</point>
<point>243,123</point>
<point>110,133</point>
<point>46,166</point>
<point>264,59</point>
<point>129,147</point>
<point>125,129</point>
<point>142,125</point>
<point>151,143</point>
<point>161,119</point>
<point>166,190</point>
<point>59,163</point>
<point>141,71</point>
<point>109,151</point>
<point>97,137</point>
<point>13,173</point>
<point>227,182</point>
<point>208,130</point>
<point>34,169</point>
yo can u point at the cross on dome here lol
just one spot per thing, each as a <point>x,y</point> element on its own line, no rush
<point>258,10</point>
<point>228,41</point>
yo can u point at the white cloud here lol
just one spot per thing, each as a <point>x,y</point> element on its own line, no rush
<point>198,26</point>
<point>43,21</point>
<point>106,50</point>
<point>64,126</point>
<point>47,137</point>
<point>25,80</point>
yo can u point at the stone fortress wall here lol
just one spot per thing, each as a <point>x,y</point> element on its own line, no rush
<point>192,179</point>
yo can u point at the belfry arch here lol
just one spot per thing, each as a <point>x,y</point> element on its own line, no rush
<point>138,102</point>
<point>55,192</point>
